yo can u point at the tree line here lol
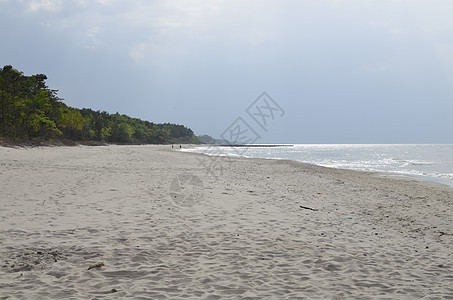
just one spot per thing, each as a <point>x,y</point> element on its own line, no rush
<point>31,111</point>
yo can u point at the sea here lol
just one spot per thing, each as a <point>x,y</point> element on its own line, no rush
<point>433,162</point>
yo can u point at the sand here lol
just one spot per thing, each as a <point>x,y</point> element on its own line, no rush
<point>169,225</point>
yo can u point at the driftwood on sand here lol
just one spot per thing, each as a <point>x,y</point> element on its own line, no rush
<point>98,265</point>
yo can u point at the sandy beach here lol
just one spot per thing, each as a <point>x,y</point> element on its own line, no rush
<point>168,225</point>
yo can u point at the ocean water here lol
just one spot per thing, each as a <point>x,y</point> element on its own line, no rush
<point>432,162</point>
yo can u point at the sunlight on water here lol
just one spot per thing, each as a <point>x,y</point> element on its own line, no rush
<point>426,161</point>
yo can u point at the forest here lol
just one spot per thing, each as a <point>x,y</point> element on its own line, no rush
<point>32,112</point>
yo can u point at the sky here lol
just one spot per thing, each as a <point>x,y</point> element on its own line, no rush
<point>339,71</point>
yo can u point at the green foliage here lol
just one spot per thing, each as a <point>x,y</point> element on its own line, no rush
<point>29,110</point>
<point>71,123</point>
<point>26,106</point>
<point>125,132</point>
<point>207,139</point>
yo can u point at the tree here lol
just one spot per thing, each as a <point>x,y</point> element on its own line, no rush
<point>29,110</point>
<point>125,132</point>
<point>72,123</point>
<point>9,88</point>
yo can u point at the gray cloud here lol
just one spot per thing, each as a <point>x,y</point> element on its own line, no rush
<point>337,64</point>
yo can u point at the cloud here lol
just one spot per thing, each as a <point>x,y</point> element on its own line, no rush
<point>395,31</point>
<point>137,53</point>
<point>81,2</point>
<point>156,33</point>
<point>106,2</point>
<point>219,50</point>
<point>91,36</point>
<point>379,68</point>
<point>46,5</point>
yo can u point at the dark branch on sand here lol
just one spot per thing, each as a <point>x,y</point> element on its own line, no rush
<point>309,208</point>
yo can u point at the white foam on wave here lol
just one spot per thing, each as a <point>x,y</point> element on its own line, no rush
<point>434,162</point>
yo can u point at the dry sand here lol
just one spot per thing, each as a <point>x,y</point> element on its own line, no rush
<point>241,235</point>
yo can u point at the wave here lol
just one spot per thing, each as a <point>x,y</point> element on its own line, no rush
<point>434,162</point>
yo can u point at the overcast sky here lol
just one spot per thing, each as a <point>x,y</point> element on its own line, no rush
<point>343,71</point>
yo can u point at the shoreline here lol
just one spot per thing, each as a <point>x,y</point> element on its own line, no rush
<point>262,229</point>
<point>422,178</point>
